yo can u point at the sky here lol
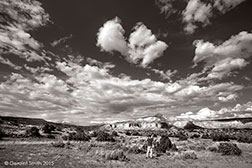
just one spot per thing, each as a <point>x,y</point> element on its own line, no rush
<point>88,62</point>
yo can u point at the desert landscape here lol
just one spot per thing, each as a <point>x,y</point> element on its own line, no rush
<point>125,84</point>
<point>36,143</point>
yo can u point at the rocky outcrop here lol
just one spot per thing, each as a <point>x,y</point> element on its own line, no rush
<point>197,124</point>
<point>150,122</point>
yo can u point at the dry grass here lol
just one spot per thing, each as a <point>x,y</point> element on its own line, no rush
<point>93,154</point>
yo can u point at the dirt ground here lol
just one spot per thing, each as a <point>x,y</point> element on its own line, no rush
<point>87,154</point>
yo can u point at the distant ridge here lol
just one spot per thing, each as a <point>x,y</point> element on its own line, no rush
<point>24,120</point>
<point>39,122</point>
<point>243,120</point>
<point>191,125</point>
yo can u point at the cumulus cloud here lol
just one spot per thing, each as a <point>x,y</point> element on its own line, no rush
<point>90,91</point>
<point>222,59</point>
<point>166,7</point>
<point>142,45</point>
<point>239,110</point>
<point>20,17</point>
<point>225,5</point>
<point>111,37</point>
<point>83,92</point>
<point>196,11</point>
<point>199,12</point>
<point>165,74</point>
<point>100,64</point>
<point>202,114</point>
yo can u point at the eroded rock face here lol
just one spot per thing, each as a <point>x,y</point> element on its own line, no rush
<point>140,123</point>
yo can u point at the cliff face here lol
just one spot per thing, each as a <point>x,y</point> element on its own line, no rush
<point>160,122</point>
<point>152,122</point>
<point>223,123</point>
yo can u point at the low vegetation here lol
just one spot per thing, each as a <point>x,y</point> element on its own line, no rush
<point>229,149</point>
<point>164,144</point>
<point>58,144</point>
<point>104,136</point>
<point>136,150</point>
<point>189,155</point>
<point>115,155</point>
<point>127,148</point>
<point>77,136</point>
<point>220,137</point>
<point>48,128</point>
<point>2,134</point>
<point>32,132</point>
<point>244,138</point>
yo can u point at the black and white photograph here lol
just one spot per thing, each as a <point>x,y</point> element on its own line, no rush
<point>125,83</point>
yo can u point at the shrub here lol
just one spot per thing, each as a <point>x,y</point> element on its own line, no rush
<point>182,137</point>
<point>80,136</point>
<point>244,137</point>
<point>104,136</point>
<point>48,128</point>
<point>164,144</point>
<point>174,148</point>
<point>229,149</point>
<point>93,133</point>
<point>212,149</point>
<point>2,134</point>
<point>135,133</point>
<point>114,133</point>
<point>50,136</point>
<point>58,144</point>
<point>32,132</point>
<point>205,136</point>
<point>79,130</point>
<point>220,137</point>
<point>128,133</point>
<point>115,155</point>
<point>195,136</point>
<point>135,149</point>
<point>189,155</point>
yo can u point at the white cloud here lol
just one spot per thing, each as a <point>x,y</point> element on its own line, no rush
<point>20,18</point>
<point>165,75</point>
<point>142,45</point>
<point>225,66</point>
<point>199,12</point>
<point>61,40</point>
<point>196,11</point>
<point>37,69</point>
<point>8,62</point>
<point>166,7</point>
<point>214,92</point>
<point>111,37</point>
<point>100,64</point>
<point>223,58</point>
<point>226,5</point>
<point>91,91</point>
<point>202,114</point>
<point>244,110</point>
